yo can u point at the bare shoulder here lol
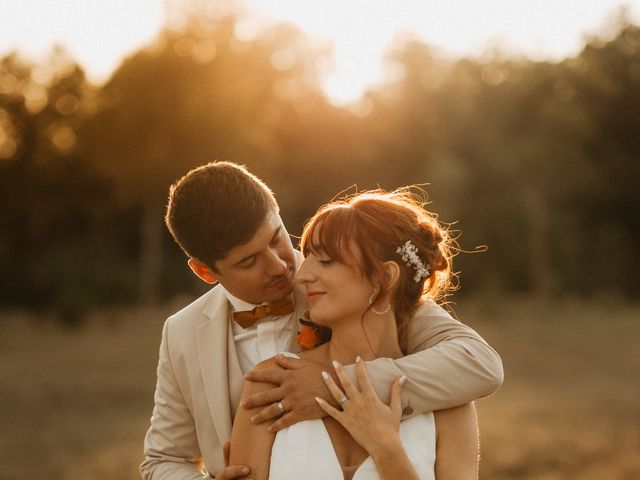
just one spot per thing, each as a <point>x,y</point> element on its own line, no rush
<point>252,387</point>
<point>319,354</point>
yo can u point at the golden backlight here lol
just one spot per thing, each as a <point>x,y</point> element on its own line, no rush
<point>361,30</point>
<point>100,33</point>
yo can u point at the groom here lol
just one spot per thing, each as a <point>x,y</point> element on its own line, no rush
<point>227,222</point>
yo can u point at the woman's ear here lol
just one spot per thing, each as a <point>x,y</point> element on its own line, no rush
<point>391,272</point>
<point>202,271</point>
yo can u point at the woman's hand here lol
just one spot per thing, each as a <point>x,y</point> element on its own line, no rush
<point>374,425</point>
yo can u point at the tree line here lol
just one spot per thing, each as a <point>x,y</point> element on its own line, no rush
<point>536,160</point>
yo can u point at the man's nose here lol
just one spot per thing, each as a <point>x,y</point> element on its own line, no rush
<point>277,265</point>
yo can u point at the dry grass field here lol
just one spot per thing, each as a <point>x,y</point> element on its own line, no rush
<point>75,404</point>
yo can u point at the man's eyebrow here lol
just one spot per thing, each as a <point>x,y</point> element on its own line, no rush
<point>242,260</point>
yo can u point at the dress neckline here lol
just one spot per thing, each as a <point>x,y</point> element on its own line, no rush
<point>354,468</point>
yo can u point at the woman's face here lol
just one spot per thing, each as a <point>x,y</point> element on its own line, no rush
<point>336,291</point>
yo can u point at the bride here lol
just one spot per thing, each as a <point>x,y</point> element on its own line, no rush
<point>370,261</point>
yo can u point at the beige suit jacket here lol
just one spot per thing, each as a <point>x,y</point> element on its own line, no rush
<point>200,382</point>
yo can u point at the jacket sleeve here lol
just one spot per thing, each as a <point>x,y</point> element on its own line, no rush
<point>449,364</point>
<point>171,449</point>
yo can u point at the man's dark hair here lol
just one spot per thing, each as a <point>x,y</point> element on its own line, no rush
<point>216,207</point>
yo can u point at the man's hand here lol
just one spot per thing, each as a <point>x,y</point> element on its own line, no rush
<point>231,473</point>
<point>297,383</point>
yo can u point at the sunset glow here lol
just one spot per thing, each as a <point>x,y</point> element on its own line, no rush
<point>99,34</point>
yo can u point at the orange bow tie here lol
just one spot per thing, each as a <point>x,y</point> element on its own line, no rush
<point>248,318</point>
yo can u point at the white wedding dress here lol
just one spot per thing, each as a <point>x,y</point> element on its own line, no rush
<point>304,452</point>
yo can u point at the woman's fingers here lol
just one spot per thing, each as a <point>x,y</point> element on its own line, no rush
<point>333,388</point>
<point>349,388</point>
<point>363,377</point>
<point>331,411</point>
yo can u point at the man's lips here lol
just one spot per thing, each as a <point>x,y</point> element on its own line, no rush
<point>279,283</point>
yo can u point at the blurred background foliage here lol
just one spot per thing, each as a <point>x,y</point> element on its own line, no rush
<point>536,160</point>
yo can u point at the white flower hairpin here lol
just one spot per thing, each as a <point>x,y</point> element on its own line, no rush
<point>409,254</point>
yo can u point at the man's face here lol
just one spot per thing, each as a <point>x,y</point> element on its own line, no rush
<point>262,269</point>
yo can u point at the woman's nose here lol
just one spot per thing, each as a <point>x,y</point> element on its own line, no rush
<point>303,275</point>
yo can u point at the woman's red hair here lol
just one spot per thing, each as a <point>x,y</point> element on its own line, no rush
<point>378,222</point>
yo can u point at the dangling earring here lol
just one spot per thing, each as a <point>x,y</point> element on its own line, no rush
<point>378,312</point>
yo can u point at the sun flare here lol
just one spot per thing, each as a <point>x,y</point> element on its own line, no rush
<point>99,34</point>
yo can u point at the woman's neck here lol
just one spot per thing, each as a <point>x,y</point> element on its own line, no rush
<point>375,336</point>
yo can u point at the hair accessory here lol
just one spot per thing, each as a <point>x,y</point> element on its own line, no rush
<point>409,254</point>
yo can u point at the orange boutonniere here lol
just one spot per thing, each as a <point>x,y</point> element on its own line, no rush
<point>311,334</point>
<point>308,337</point>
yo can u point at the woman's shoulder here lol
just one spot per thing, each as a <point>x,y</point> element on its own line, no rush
<point>318,354</point>
<point>429,307</point>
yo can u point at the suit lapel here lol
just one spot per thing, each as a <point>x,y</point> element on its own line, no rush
<point>211,339</point>
<point>236,378</point>
<point>219,368</point>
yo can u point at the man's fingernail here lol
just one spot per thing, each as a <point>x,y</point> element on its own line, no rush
<point>403,379</point>
<point>358,359</point>
<point>270,429</point>
<point>325,375</point>
<point>245,470</point>
<point>335,364</point>
<point>253,419</point>
<point>318,399</point>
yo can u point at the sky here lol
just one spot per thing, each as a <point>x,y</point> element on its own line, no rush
<point>100,33</point>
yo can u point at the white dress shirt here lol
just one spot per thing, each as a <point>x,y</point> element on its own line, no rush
<point>263,339</point>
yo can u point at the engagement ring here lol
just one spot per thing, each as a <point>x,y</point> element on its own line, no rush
<point>280,407</point>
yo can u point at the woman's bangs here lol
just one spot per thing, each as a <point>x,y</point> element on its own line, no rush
<point>330,234</point>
